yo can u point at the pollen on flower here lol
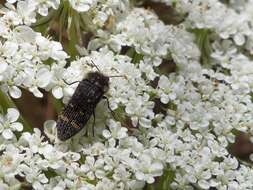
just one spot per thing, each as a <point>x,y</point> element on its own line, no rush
<point>7,161</point>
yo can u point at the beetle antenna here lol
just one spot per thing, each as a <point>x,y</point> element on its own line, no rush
<point>124,76</point>
<point>116,76</point>
<point>95,66</point>
<point>71,82</point>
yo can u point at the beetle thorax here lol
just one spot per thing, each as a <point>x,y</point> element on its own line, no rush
<point>99,80</point>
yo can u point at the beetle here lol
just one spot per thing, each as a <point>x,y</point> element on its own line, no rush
<point>82,105</point>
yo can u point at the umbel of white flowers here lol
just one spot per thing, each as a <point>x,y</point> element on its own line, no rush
<point>202,105</point>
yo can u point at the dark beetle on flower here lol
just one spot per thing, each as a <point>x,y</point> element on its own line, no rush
<point>82,104</point>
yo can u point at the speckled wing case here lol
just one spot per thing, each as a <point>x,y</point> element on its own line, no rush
<point>78,110</point>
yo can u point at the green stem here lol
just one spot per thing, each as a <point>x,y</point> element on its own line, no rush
<point>63,19</point>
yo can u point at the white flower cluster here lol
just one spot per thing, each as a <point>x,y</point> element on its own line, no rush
<point>23,54</point>
<point>101,12</point>
<point>227,21</point>
<point>29,8</point>
<point>182,121</point>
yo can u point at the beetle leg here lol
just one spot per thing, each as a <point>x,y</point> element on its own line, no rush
<point>108,105</point>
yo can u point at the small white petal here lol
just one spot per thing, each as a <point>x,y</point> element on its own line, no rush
<point>139,175</point>
<point>91,175</point>
<point>15,92</point>
<point>251,157</point>
<point>50,129</point>
<point>68,91</point>
<point>204,184</point>
<point>57,92</point>
<point>18,126</point>
<point>10,48</point>
<point>43,77</point>
<point>36,92</point>
<point>122,133</point>
<point>1,128</point>
<point>43,10</point>
<point>3,66</point>
<point>11,1</point>
<point>150,180</point>
<point>106,134</point>
<point>85,168</point>
<point>24,33</point>
<point>12,114</point>
<point>112,142</point>
<point>54,4</point>
<point>239,39</point>
<point>7,134</point>
<point>100,174</point>
<point>134,121</point>
<point>49,126</point>
<point>90,160</point>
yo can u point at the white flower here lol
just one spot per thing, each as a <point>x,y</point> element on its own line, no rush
<point>34,141</point>
<point>115,131</point>
<point>59,87</point>
<point>93,168</point>
<point>82,5</point>
<point>50,129</point>
<point>121,174</point>
<point>25,11</point>
<point>36,178</point>
<point>147,169</point>
<point>165,90</point>
<point>10,160</point>
<point>35,79</point>
<point>148,70</point>
<point>138,107</point>
<point>106,183</point>
<point>24,34</point>
<point>43,6</point>
<point>53,157</point>
<point>11,1</point>
<point>183,119</point>
<point>8,123</point>
<point>3,66</point>
<point>49,48</point>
